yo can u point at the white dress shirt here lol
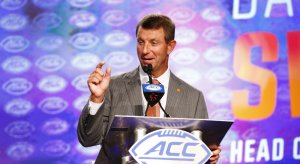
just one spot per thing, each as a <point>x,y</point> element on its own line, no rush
<point>163,79</point>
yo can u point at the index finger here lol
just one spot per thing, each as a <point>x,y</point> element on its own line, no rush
<point>108,71</point>
<point>100,64</point>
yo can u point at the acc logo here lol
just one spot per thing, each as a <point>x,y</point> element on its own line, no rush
<point>115,17</point>
<point>13,22</point>
<point>80,83</point>
<point>216,34</point>
<point>148,2</point>
<point>254,96</point>
<point>19,129</point>
<point>153,87</point>
<point>212,14</point>
<point>220,95</point>
<point>112,2</point>
<point>20,151</point>
<point>252,133</point>
<point>83,19</point>
<point>185,35</point>
<point>47,20</point>
<point>81,3</point>
<point>49,43</point>
<point>85,60</point>
<point>16,64</point>
<point>17,86</point>
<point>52,84</point>
<point>182,15</point>
<point>84,40</point>
<point>53,105</point>
<point>56,148</point>
<point>12,4</point>
<point>50,63</point>
<point>118,59</point>
<point>189,75</point>
<point>170,146</point>
<point>283,92</point>
<point>280,71</point>
<point>18,107</point>
<point>217,54</point>
<point>55,126</point>
<point>185,56</point>
<point>80,102</point>
<point>148,11</point>
<point>221,114</point>
<point>117,38</point>
<point>219,75</point>
<point>46,4</point>
<point>14,43</point>
<point>93,150</point>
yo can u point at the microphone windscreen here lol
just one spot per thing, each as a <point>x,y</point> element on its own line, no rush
<point>153,93</point>
<point>147,69</point>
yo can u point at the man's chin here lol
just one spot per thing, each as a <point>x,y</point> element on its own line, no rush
<point>147,67</point>
<point>146,63</point>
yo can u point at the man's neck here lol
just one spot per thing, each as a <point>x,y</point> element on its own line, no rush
<point>153,74</point>
<point>156,74</point>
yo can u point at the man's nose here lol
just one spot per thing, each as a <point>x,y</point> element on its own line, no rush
<point>146,49</point>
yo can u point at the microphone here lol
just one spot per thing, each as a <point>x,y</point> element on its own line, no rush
<point>153,92</point>
<point>148,69</point>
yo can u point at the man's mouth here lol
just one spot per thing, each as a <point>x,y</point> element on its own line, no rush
<point>147,60</point>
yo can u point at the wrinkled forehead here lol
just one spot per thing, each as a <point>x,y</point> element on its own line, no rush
<point>148,34</point>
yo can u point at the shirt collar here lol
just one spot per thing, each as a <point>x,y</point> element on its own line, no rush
<point>163,79</point>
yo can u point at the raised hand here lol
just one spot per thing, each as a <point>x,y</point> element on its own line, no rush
<point>98,83</point>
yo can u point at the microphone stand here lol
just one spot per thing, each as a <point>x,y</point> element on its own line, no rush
<point>148,70</point>
<point>166,114</point>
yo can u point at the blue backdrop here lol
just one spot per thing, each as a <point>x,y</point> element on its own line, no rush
<point>243,54</point>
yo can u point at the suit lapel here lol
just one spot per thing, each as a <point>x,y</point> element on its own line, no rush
<point>174,96</point>
<point>133,88</point>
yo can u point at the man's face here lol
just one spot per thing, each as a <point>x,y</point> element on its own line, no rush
<point>153,49</point>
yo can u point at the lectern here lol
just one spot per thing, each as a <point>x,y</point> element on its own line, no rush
<point>125,131</point>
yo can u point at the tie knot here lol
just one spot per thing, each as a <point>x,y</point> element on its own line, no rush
<point>155,81</point>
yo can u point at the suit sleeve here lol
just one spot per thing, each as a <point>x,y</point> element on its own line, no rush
<point>201,111</point>
<point>91,129</point>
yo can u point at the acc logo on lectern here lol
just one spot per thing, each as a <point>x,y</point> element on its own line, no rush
<point>170,146</point>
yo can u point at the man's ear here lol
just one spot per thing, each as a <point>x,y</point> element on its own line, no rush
<point>171,46</point>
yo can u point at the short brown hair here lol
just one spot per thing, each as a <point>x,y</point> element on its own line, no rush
<point>156,21</point>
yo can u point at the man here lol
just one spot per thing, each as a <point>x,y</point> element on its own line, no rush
<point>122,95</point>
